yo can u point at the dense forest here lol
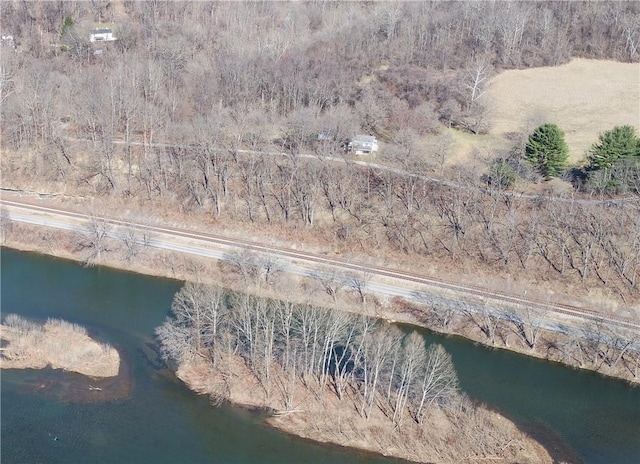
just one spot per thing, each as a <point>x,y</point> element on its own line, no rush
<point>253,70</point>
<point>211,80</point>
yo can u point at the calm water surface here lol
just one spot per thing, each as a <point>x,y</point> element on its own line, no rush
<point>155,419</point>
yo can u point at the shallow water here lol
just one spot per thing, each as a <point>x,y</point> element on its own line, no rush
<point>149,416</point>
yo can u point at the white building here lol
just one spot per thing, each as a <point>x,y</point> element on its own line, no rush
<point>101,35</point>
<point>363,144</point>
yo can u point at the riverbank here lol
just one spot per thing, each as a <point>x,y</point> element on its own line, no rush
<point>461,433</point>
<point>56,343</point>
<point>596,347</point>
<point>618,360</point>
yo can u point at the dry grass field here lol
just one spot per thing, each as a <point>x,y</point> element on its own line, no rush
<point>584,97</point>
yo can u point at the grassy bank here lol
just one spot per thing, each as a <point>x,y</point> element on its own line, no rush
<point>56,343</point>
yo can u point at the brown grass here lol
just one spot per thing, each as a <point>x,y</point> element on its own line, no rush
<point>584,97</point>
<point>460,434</point>
<point>58,344</point>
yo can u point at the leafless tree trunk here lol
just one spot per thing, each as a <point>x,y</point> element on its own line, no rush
<point>413,357</point>
<point>439,383</point>
<point>134,243</point>
<point>6,225</point>
<point>485,319</point>
<point>92,240</point>
<point>256,268</point>
<point>379,348</point>
<point>358,282</point>
<point>332,282</point>
<point>528,326</point>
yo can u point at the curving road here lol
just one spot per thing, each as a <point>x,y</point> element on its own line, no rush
<point>379,280</point>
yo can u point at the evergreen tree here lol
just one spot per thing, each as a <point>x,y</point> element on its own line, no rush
<point>67,27</point>
<point>616,144</point>
<point>547,150</point>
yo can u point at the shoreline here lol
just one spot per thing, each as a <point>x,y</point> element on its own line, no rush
<point>57,344</point>
<point>280,424</point>
<point>170,265</point>
<point>544,352</point>
<point>468,433</point>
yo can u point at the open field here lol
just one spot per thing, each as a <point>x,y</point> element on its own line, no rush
<point>584,97</point>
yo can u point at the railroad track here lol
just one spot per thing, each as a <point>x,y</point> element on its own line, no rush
<point>463,289</point>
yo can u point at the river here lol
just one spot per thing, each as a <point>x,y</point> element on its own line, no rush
<point>52,416</point>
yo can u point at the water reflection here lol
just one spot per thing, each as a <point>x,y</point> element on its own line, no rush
<point>77,388</point>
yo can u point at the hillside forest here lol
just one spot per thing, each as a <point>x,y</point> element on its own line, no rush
<point>174,115</point>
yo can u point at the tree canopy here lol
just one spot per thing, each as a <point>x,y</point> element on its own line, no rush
<point>547,150</point>
<point>616,144</point>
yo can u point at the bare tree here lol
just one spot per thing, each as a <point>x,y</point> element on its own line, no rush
<point>271,268</point>
<point>439,382</point>
<point>528,325</point>
<point>176,341</point>
<point>92,240</point>
<point>485,319</point>
<point>6,224</point>
<point>616,344</point>
<point>359,281</point>
<point>7,77</point>
<point>309,327</point>
<point>327,349</point>
<point>413,357</point>
<point>257,268</point>
<point>332,282</point>
<point>478,72</point>
<point>472,111</point>
<point>442,315</point>
<point>334,331</point>
<point>379,349</point>
<point>195,328</point>
<point>134,243</point>
<point>245,264</point>
<point>347,351</point>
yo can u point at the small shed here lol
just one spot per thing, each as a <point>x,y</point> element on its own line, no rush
<point>363,144</point>
<point>101,35</point>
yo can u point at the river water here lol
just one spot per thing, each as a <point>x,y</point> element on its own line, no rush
<point>149,416</point>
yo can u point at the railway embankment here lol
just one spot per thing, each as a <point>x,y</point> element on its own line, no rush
<point>572,335</point>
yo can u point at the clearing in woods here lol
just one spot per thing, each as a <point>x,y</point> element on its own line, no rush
<point>583,97</point>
